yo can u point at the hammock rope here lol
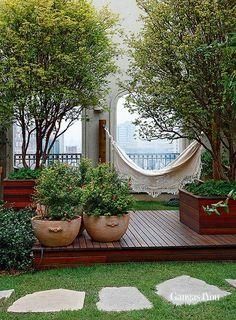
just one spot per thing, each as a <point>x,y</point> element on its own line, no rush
<point>184,169</point>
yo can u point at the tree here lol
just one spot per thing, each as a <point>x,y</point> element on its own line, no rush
<point>55,56</point>
<point>5,144</point>
<point>181,64</point>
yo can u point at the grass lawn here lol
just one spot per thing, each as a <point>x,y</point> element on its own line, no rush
<point>153,205</point>
<point>143,276</point>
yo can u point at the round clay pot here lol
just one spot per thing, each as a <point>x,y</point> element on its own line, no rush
<point>56,233</point>
<point>106,228</point>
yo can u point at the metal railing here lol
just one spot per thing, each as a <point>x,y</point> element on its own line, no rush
<point>147,161</point>
<point>70,158</point>
<point>152,161</point>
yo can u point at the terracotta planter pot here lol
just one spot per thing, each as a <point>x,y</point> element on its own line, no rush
<point>18,193</point>
<point>193,215</point>
<point>56,233</point>
<point>105,228</point>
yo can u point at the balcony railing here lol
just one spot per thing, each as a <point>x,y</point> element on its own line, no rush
<point>69,158</point>
<point>152,161</point>
<point>147,161</point>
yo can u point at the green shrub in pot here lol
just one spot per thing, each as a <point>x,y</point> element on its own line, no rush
<point>106,202</point>
<point>59,194</point>
<point>211,188</point>
<point>24,174</point>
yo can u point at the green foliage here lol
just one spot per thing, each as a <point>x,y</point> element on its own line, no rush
<point>106,194</point>
<point>16,239</point>
<point>59,189</point>
<point>85,169</point>
<point>206,159</point>
<point>180,63</point>
<point>5,117</point>
<point>207,163</point>
<point>55,58</point>
<point>229,75</point>
<point>24,173</point>
<point>211,188</point>
<point>223,204</point>
<point>156,205</point>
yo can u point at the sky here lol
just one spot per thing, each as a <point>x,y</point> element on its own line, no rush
<point>123,114</point>
<point>73,136</point>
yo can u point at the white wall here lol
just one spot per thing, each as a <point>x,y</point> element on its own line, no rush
<point>129,21</point>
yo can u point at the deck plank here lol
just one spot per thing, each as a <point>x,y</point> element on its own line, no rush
<point>160,238</point>
<point>151,236</point>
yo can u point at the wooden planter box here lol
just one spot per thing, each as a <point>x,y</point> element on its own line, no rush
<point>193,215</point>
<point>18,193</point>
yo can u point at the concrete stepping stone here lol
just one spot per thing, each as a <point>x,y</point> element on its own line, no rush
<point>49,301</point>
<point>5,294</point>
<point>122,299</point>
<point>232,282</point>
<point>186,290</point>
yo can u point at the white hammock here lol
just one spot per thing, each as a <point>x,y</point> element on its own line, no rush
<point>184,169</point>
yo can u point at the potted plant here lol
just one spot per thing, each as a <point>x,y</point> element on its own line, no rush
<point>106,204</point>
<point>209,207</point>
<point>58,194</point>
<point>18,187</point>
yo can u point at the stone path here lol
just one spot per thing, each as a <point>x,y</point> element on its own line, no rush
<point>186,290</point>
<point>6,294</point>
<point>122,299</point>
<point>178,291</point>
<point>49,301</point>
<point>231,282</point>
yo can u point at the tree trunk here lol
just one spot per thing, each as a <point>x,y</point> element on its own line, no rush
<point>218,171</point>
<point>24,147</point>
<point>6,154</point>
<point>216,144</point>
<point>39,146</point>
<point>232,167</point>
<point>24,152</point>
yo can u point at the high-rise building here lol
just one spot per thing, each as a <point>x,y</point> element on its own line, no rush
<point>17,141</point>
<point>71,149</point>
<point>57,148</point>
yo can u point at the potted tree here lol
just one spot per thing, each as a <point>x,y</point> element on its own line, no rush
<point>106,204</point>
<point>58,194</point>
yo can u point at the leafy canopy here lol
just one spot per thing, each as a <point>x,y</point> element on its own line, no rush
<point>56,51</point>
<point>181,74</point>
<point>55,57</point>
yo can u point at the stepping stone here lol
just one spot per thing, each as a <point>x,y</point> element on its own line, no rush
<point>232,282</point>
<point>122,299</point>
<point>49,301</point>
<point>186,290</point>
<point>6,294</point>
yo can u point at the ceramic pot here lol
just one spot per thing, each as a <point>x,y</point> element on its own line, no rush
<point>56,233</point>
<point>106,228</point>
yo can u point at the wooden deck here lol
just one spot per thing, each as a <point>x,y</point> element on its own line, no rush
<point>152,236</point>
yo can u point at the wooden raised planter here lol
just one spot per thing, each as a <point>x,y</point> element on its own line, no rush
<point>193,215</point>
<point>18,193</point>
